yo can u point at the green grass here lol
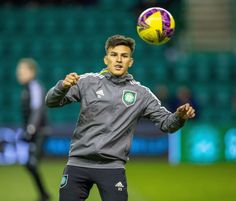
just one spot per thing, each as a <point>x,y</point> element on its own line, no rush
<point>147,181</point>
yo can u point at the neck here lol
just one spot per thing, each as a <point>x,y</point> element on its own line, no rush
<point>116,75</point>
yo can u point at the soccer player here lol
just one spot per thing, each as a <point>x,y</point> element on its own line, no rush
<point>112,102</point>
<point>34,118</point>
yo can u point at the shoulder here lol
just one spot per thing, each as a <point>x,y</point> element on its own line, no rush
<point>140,87</point>
<point>91,75</point>
<point>145,91</point>
<point>90,78</point>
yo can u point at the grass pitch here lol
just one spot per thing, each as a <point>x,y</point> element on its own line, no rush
<point>148,180</point>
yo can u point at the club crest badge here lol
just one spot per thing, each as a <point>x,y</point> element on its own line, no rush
<point>64,180</point>
<point>129,97</point>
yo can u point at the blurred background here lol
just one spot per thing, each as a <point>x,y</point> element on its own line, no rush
<point>198,66</point>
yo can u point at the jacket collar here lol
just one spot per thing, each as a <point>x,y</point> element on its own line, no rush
<point>116,79</point>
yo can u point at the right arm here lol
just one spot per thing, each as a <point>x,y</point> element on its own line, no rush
<point>64,92</point>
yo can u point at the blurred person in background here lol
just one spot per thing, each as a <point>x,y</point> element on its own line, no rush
<point>112,103</point>
<point>184,95</point>
<point>34,118</point>
<point>163,94</point>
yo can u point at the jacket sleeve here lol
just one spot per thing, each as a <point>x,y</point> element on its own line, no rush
<point>58,96</point>
<point>164,119</point>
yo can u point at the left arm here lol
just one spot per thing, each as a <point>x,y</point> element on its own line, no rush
<point>164,119</point>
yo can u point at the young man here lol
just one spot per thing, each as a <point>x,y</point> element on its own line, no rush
<point>34,117</point>
<point>111,104</point>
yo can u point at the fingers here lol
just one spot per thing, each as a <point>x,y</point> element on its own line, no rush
<point>75,75</point>
<point>70,80</point>
<point>186,111</point>
<point>190,113</point>
<point>183,108</point>
<point>187,106</point>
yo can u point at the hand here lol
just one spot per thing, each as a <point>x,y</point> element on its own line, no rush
<point>185,111</point>
<point>29,133</point>
<point>70,80</point>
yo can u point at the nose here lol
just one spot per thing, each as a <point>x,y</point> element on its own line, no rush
<point>119,59</point>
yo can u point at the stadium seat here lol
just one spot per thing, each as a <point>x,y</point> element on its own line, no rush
<point>122,4</point>
<point>222,67</point>
<point>139,72</point>
<point>222,95</point>
<point>201,68</point>
<point>107,4</point>
<point>181,70</point>
<point>209,114</point>
<point>202,93</point>
<point>159,71</point>
<point>128,4</point>
<point>9,25</point>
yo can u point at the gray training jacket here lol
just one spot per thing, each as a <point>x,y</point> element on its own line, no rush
<point>110,110</point>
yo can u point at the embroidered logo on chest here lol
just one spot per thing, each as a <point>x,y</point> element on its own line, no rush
<point>100,93</point>
<point>129,97</point>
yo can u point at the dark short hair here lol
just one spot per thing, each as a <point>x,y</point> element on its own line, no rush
<point>116,40</point>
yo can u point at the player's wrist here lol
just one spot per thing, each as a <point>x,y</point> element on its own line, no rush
<point>65,86</point>
<point>61,87</point>
<point>179,116</point>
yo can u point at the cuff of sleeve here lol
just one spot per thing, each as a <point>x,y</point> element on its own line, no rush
<point>60,87</point>
<point>178,119</point>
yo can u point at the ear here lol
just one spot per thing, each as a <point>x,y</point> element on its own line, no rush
<point>131,62</point>
<point>105,60</point>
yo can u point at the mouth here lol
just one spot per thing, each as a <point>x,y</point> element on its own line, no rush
<point>118,67</point>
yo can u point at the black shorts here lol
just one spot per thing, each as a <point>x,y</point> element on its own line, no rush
<point>77,182</point>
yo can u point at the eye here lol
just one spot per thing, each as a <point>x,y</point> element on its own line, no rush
<point>125,56</point>
<point>113,54</point>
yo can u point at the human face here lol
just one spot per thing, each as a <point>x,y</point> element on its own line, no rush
<point>24,74</point>
<point>118,59</point>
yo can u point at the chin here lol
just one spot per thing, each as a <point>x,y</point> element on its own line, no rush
<point>119,74</point>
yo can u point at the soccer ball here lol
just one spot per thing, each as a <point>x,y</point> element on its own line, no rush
<point>156,26</point>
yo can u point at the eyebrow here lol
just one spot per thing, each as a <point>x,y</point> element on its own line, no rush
<point>124,53</point>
